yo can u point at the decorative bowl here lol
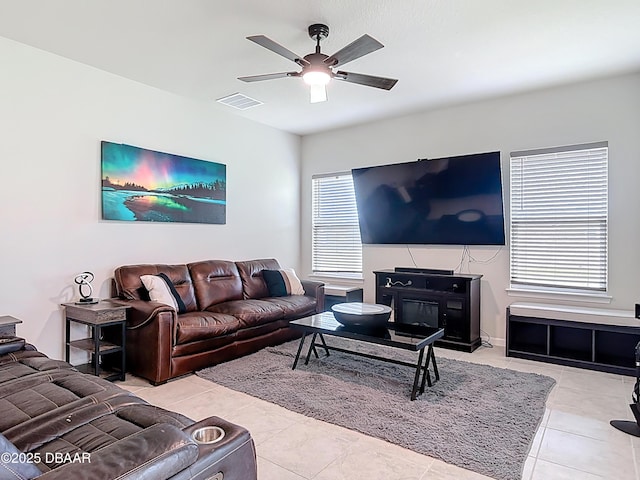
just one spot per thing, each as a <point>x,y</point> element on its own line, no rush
<point>356,314</point>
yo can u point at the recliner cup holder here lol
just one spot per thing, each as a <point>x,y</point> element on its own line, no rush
<point>208,435</point>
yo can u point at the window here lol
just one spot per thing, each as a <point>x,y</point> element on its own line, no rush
<point>336,246</point>
<point>559,218</point>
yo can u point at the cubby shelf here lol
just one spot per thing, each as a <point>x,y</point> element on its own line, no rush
<point>594,346</point>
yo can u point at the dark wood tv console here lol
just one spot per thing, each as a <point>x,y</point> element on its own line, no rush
<point>436,298</point>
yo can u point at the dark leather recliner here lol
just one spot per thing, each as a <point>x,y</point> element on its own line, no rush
<point>71,425</point>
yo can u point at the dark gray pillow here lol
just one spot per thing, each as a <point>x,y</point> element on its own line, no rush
<point>282,283</point>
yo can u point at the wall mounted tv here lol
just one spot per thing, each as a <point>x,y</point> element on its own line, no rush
<point>445,201</point>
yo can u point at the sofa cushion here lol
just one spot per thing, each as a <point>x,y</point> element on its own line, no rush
<point>17,366</point>
<point>294,306</point>
<point>196,326</point>
<point>253,284</point>
<point>25,401</point>
<point>159,451</point>
<point>130,287</point>
<point>281,283</point>
<point>161,290</point>
<point>250,312</point>
<point>215,281</point>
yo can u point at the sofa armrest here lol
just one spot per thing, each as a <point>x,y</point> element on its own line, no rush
<point>158,452</point>
<point>142,311</point>
<point>232,458</point>
<point>315,289</point>
<point>151,331</point>
<point>11,344</point>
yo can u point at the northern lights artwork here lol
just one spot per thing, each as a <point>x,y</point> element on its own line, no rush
<point>147,186</point>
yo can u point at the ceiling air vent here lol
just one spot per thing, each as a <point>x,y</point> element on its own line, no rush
<point>239,101</point>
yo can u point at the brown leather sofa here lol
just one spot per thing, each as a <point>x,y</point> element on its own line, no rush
<point>229,313</point>
<point>58,423</point>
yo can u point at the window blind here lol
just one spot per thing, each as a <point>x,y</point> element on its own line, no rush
<point>559,217</point>
<point>336,245</point>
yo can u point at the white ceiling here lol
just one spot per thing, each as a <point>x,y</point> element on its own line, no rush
<point>442,51</point>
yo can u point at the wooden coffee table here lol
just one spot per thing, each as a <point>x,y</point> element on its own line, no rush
<point>398,335</point>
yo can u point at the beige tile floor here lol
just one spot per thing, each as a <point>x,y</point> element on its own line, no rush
<point>574,441</point>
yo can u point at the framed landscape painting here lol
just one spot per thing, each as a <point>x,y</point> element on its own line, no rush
<point>142,185</point>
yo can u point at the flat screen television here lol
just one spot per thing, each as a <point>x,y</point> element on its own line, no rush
<point>445,201</point>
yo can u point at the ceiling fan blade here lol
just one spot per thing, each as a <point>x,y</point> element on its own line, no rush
<point>368,80</point>
<point>356,49</point>
<point>268,76</point>
<point>277,48</point>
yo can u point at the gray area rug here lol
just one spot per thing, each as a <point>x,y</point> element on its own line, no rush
<point>478,417</point>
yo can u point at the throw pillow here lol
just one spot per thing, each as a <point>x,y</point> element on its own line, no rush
<point>14,464</point>
<point>281,283</point>
<point>161,290</point>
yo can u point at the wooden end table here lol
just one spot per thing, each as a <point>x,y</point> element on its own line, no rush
<point>8,326</point>
<point>104,316</point>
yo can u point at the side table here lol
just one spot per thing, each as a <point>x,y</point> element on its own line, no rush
<point>334,294</point>
<point>103,317</point>
<point>8,325</point>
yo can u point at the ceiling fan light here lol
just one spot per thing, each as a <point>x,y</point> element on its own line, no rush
<point>317,81</point>
<point>317,93</point>
<point>315,77</point>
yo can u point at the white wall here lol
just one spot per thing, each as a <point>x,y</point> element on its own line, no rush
<point>53,115</point>
<point>607,109</point>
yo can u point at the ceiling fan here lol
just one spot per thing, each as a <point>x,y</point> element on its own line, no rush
<point>317,68</point>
